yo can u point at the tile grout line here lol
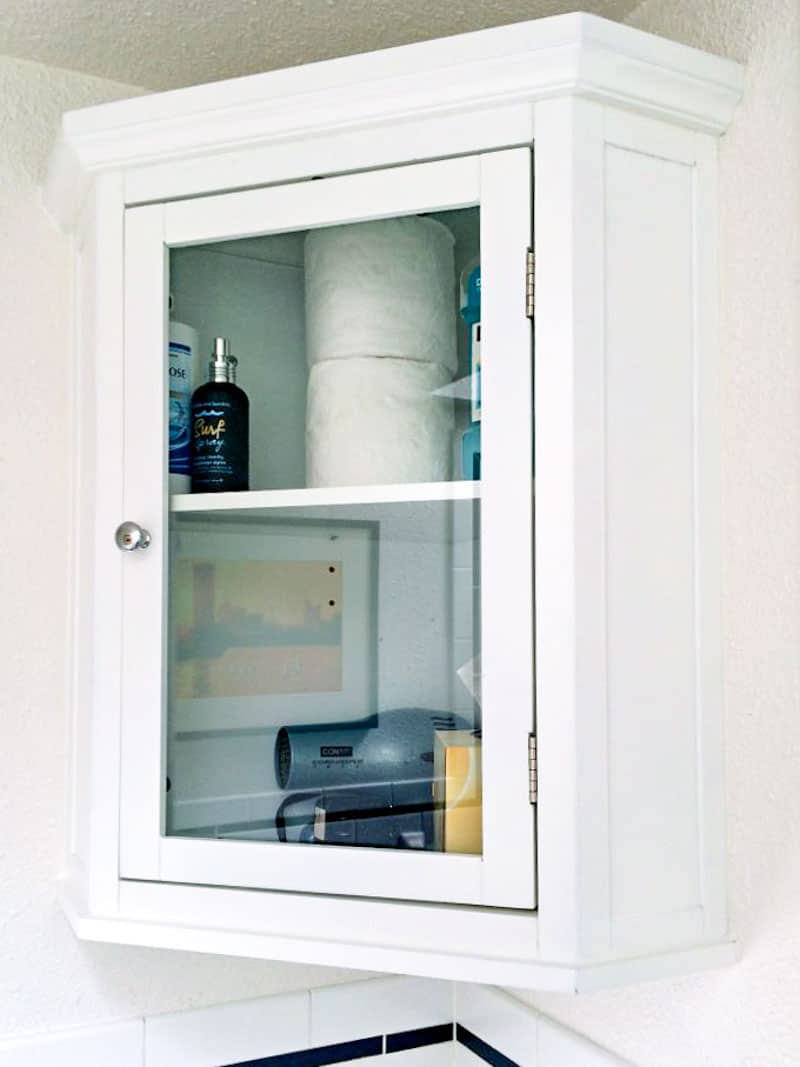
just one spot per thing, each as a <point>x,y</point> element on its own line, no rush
<point>309,1017</point>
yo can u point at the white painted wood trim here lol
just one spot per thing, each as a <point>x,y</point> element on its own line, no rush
<point>404,925</point>
<point>333,152</point>
<point>568,211</point>
<point>385,873</point>
<point>143,730</point>
<point>97,638</point>
<point>439,186</point>
<point>267,499</point>
<point>491,948</point>
<point>507,656</point>
<point>319,951</point>
<point>577,53</point>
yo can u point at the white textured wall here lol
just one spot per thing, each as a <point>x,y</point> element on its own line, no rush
<point>747,1016</point>
<point>48,979</point>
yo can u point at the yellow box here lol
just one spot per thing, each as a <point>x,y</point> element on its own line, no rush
<point>458,792</point>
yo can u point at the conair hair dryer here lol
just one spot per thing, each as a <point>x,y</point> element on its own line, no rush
<point>368,782</point>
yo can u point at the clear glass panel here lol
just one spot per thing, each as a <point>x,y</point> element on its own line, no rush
<point>324,659</point>
<point>324,681</point>
<point>356,346</point>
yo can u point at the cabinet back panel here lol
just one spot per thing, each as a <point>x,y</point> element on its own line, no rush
<point>259,305</point>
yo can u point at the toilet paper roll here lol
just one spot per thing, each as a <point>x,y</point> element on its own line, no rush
<point>386,288</point>
<point>373,421</point>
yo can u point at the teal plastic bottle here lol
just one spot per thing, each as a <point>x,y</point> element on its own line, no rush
<point>471,314</point>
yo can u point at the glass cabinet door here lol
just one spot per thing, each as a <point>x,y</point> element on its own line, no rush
<point>336,692</point>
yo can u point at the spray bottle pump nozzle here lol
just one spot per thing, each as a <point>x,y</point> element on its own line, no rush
<point>222,367</point>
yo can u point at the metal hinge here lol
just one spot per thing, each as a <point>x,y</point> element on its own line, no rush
<point>530,283</point>
<point>533,769</point>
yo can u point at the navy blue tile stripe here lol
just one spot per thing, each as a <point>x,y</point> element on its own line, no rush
<point>373,1046</point>
<point>481,1049</point>
<point>320,1057</point>
<point>426,1035</point>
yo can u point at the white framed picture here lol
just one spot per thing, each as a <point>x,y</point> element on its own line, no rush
<point>272,621</point>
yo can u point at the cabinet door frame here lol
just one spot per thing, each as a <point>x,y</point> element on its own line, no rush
<point>504,876</point>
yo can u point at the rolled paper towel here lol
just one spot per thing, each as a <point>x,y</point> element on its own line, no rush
<point>385,287</point>
<point>375,421</point>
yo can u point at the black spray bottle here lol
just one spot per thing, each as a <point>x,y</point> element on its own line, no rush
<point>220,427</point>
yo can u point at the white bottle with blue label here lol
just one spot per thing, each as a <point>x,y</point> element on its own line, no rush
<point>183,342</point>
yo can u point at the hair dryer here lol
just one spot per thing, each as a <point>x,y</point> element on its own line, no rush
<point>368,782</point>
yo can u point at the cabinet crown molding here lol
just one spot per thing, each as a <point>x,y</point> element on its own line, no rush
<point>574,54</point>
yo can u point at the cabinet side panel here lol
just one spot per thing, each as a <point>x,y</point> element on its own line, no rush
<point>650,534</point>
<point>654,449</point>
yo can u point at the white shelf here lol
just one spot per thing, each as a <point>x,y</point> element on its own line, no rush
<point>260,499</point>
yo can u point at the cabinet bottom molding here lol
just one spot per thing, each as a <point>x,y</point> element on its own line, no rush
<point>478,966</point>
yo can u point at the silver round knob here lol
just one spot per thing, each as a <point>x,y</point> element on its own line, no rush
<point>130,535</point>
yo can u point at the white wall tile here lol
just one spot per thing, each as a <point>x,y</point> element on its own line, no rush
<point>525,1036</point>
<point>378,1006</point>
<point>428,1056</point>
<point>120,1044</point>
<point>462,1057</point>
<point>500,1021</point>
<point>431,1056</point>
<point>228,1033</point>
<point>247,1030</point>
<point>559,1047</point>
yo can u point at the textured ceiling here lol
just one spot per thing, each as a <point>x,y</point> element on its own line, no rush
<point>164,44</point>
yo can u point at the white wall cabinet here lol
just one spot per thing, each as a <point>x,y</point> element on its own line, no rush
<point>596,619</point>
